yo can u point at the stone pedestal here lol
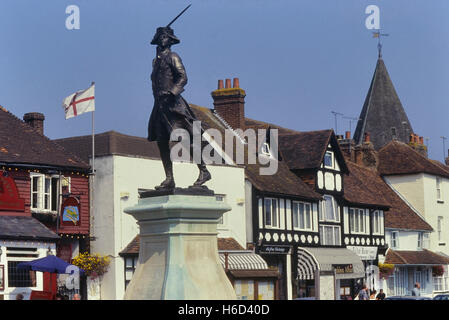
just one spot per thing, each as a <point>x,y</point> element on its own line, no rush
<point>178,258</point>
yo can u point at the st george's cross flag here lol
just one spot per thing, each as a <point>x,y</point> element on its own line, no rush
<point>79,102</point>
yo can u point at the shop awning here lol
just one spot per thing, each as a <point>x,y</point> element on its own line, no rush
<point>243,261</point>
<point>346,263</point>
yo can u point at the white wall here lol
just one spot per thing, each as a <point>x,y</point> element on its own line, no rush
<point>116,187</point>
<point>42,248</point>
<point>411,187</point>
<point>435,208</point>
<point>420,191</point>
<point>408,240</point>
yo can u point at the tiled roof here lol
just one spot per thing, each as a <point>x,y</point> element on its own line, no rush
<point>364,186</point>
<point>22,144</point>
<point>399,158</point>
<point>305,150</point>
<point>225,244</point>
<point>24,227</point>
<point>110,143</point>
<point>132,247</point>
<point>415,257</point>
<point>382,111</point>
<point>282,182</point>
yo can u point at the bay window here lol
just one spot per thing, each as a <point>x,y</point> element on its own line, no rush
<point>329,210</point>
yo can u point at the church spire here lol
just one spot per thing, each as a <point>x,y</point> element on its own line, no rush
<point>383,115</point>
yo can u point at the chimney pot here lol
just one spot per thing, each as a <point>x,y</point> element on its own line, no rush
<point>35,120</point>
<point>236,83</point>
<point>421,140</point>
<point>411,137</point>
<point>228,83</point>
<point>220,84</point>
<point>348,134</point>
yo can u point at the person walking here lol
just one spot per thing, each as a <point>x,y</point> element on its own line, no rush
<point>416,291</point>
<point>363,293</point>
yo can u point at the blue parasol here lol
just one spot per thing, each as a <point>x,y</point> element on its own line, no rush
<point>50,264</point>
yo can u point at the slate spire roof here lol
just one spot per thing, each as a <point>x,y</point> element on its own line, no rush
<point>382,114</point>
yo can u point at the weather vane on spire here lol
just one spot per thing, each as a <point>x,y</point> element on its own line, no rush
<point>378,35</point>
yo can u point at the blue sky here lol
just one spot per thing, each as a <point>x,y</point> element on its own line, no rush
<point>297,60</point>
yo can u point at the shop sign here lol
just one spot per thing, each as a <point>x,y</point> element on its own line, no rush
<point>274,249</point>
<point>343,268</point>
<point>365,253</point>
<point>9,196</point>
<point>71,211</point>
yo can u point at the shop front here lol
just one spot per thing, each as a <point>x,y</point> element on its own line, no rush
<point>369,257</point>
<point>328,273</point>
<point>279,257</point>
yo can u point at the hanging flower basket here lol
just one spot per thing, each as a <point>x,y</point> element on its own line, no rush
<point>385,270</point>
<point>437,271</point>
<point>94,265</point>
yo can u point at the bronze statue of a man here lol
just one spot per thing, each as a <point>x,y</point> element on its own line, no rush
<point>170,110</point>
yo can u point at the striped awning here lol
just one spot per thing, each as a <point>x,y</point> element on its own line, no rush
<point>324,259</point>
<point>243,261</point>
<point>307,265</point>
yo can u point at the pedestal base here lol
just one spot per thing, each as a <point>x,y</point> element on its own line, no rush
<point>178,258</point>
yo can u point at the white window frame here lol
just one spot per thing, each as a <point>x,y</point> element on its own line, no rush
<point>357,221</point>
<point>323,215</point>
<point>336,235</point>
<point>331,153</point>
<point>438,181</point>
<point>275,214</point>
<point>394,240</point>
<point>376,222</point>
<point>297,214</point>
<point>419,245</point>
<point>40,193</point>
<point>440,228</point>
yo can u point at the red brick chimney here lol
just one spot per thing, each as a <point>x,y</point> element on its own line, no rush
<point>417,143</point>
<point>36,120</point>
<point>365,154</point>
<point>347,146</point>
<point>229,103</point>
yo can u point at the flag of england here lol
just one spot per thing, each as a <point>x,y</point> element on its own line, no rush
<point>79,102</point>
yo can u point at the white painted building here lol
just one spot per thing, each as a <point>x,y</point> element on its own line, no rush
<point>424,185</point>
<point>124,164</point>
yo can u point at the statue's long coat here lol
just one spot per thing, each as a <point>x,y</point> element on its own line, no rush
<point>169,112</point>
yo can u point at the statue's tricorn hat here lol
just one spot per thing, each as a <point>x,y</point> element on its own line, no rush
<point>167,31</point>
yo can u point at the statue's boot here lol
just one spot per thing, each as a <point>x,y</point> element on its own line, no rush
<point>169,182</point>
<point>203,176</point>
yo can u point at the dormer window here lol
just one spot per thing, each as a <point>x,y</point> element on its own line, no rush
<point>329,160</point>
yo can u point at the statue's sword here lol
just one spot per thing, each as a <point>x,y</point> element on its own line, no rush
<point>168,25</point>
